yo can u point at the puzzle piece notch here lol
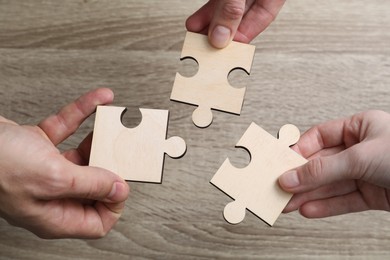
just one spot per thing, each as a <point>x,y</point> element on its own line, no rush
<point>235,211</point>
<point>136,154</point>
<point>209,87</point>
<point>256,187</point>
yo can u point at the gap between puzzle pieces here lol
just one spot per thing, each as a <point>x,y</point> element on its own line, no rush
<point>256,187</point>
<point>209,88</point>
<point>135,154</point>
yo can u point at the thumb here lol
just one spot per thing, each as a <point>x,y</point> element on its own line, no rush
<point>227,18</point>
<point>318,172</point>
<point>86,182</point>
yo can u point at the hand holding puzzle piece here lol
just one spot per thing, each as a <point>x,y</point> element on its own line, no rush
<point>137,154</point>
<point>256,186</point>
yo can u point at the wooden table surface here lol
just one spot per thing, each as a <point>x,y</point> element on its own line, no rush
<point>319,60</point>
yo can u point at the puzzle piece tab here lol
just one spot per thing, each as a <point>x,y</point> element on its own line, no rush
<point>209,88</point>
<point>135,154</point>
<point>256,187</point>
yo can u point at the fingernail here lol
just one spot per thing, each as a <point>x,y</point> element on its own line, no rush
<point>220,36</point>
<point>117,191</point>
<point>289,179</point>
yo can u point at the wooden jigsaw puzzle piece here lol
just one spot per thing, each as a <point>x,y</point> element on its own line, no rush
<point>209,88</point>
<point>136,154</point>
<point>256,187</point>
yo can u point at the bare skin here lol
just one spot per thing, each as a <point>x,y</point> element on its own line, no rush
<point>56,195</point>
<point>241,20</point>
<point>349,167</point>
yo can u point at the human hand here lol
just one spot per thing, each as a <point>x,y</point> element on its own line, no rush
<point>225,20</point>
<point>51,194</point>
<point>348,169</point>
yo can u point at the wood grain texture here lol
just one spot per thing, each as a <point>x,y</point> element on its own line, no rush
<point>315,62</point>
<point>255,187</point>
<point>209,88</point>
<point>137,153</point>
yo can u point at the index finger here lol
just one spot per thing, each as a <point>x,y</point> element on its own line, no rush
<point>323,136</point>
<point>60,126</point>
<point>257,18</point>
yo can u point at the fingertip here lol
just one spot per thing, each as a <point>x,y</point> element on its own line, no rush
<point>289,208</point>
<point>289,181</point>
<point>240,37</point>
<point>191,24</point>
<point>220,36</point>
<point>310,210</point>
<point>119,192</point>
<point>106,94</point>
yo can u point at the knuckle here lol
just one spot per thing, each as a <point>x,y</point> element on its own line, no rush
<point>354,158</point>
<point>233,10</point>
<point>53,168</point>
<point>55,179</point>
<point>93,190</point>
<point>314,169</point>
